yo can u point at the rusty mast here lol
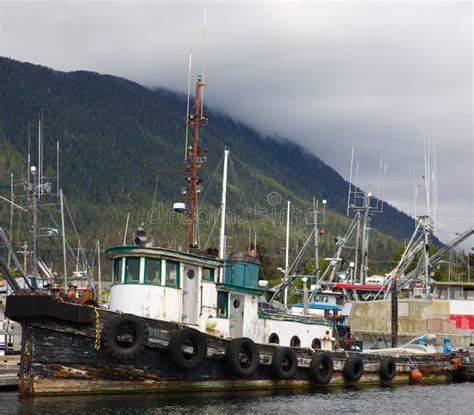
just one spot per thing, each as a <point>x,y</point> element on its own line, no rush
<point>195,159</point>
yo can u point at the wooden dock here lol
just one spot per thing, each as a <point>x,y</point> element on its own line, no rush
<point>9,369</point>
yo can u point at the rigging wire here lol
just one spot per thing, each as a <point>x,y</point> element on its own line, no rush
<point>234,173</point>
<point>150,222</point>
<point>211,181</point>
<point>212,231</point>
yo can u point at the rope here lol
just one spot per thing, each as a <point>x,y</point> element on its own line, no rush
<point>97,330</point>
<point>98,334</point>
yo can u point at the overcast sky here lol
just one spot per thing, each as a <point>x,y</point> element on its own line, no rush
<point>326,75</point>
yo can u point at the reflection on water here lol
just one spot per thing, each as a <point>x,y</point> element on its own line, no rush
<point>414,399</point>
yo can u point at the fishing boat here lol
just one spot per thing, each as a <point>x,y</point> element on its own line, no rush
<point>191,320</point>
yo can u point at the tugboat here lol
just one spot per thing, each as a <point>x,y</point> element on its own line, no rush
<point>188,320</point>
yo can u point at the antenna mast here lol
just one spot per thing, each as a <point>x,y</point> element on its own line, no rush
<point>350,182</point>
<point>223,208</point>
<point>287,250</point>
<point>196,156</point>
<point>187,108</point>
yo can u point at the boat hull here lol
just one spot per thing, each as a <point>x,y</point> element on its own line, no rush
<point>59,357</point>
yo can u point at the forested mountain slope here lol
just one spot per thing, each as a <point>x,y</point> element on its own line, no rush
<point>115,135</point>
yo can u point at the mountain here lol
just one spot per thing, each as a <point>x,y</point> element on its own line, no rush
<point>115,135</point>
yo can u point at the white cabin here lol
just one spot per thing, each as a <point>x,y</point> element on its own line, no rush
<point>182,287</point>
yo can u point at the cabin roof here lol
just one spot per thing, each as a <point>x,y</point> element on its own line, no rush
<point>157,252</point>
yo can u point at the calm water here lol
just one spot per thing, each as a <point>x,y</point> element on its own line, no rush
<point>417,399</point>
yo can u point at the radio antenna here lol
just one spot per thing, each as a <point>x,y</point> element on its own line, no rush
<point>426,176</point>
<point>203,59</point>
<point>383,183</point>
<point>187,107</point>
<point>357,177</point>
<point>434,179</point>
<point>380,176</point>
<point>350,182</point>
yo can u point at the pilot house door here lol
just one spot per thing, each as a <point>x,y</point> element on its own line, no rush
<point>236,320</point>
<point>190,295</point>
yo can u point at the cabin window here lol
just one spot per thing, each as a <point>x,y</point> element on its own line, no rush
<point>117,271</point>
<point>132,270</point>
<point>222,304</point>
<point>295,341</point>
<point>172,274</point>
<point>152,271</point>
<point>208,274</point>
<point>274,339</point>
<point>190,272</point>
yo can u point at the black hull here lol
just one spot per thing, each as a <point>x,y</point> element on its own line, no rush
<point>59,357</point>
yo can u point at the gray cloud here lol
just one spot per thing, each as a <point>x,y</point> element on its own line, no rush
<point>327,75</point>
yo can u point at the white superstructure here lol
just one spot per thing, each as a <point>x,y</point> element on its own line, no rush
<point>186,288</point>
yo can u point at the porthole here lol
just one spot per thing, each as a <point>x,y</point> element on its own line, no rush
<point>316,344</point>
<point>236,303</point>
<point>295,341</point>
<point>190,273</point>
<point>274,339</point>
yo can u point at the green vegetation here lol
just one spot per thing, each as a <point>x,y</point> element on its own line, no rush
<point>115,135</point>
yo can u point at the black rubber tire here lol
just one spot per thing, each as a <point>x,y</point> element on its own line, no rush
<point>234,349</point>
<point>109,334</point>
<point>199,344</point>
<point>321,368</point>
<point>353,368</point>
<point>388,368</point>
<point>282,355</point>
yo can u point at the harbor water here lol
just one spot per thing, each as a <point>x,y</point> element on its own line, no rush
<point>413,399</point>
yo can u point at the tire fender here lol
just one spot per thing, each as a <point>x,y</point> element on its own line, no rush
<point>281,356</point>
<point>247,368</point>
<point>321,368</point>
<point>191,338</point>
<point>121,351</point>
<point>353,368</point>
<point>388,368</point>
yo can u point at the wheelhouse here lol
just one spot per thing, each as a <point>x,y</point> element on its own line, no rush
<point>163,283</point>
<point>215,296</point>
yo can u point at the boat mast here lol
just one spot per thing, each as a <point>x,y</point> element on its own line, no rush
<point>193,180</point>
<point>223,208</point>
<point>196,156</point>
<point>63,234</point>
<point>12,198</point>
<point>287,249</point>
<point>35,193</point>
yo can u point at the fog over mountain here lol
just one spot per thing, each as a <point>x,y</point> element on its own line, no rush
<point>326,75</point>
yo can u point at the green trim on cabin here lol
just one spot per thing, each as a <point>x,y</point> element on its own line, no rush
<point>212,272</point>
<point>239,289</point>
<point>123,250</point>
<point>226,304</point>
<point>177,278</point>
<point>147,261</point>
<point>126,280</point>
<point>117,265</point>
